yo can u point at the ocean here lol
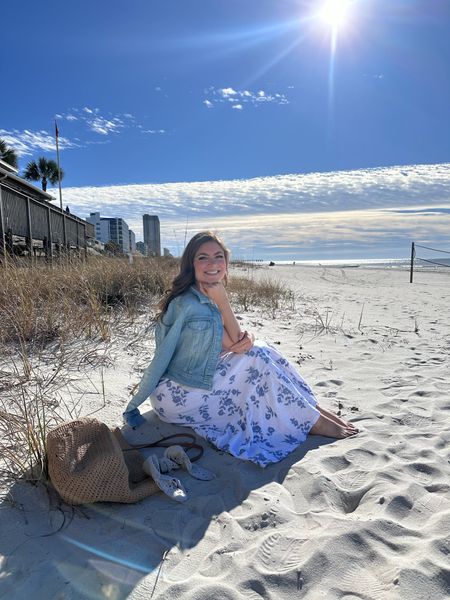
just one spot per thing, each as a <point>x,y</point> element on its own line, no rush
<point>442,264</point>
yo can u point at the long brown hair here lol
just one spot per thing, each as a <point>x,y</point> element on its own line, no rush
<point>186,276</point>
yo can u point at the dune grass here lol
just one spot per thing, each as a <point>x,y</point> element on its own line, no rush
<point>265,293</point>
<point>44,304</point>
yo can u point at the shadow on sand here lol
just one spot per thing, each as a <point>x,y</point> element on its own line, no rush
<point>52,550</point>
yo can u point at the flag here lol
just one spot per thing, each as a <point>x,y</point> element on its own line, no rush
<point>56,130</point>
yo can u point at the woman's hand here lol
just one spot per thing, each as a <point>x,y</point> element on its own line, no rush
<point>244,344</point>
<point>215,291</point>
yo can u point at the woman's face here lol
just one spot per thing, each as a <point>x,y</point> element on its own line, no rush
<point>210,263</point>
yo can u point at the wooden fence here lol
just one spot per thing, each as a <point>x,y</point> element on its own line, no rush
<point>30,225</point>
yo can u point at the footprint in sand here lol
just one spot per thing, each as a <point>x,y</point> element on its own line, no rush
<point>424,393</point>
<point>335,463</point>
<point>370,340</point>
<point>423,410</point>
<point>330,382</point>
<point>437,360</point>
<point>357,583</point>
<point>279,554</point>
<point>256,590</point>
<point>429,505</point>
<point>218,563</point>
<point>400,506</point>
<point>204,592</point>
<point>415,362</point>
<point>431,583</point>
<point>398,385</point>
<point>353,479</point>
<point>413,420</point>
<point>364,458</point>
<point>423,472</point>
<point>349,501</point>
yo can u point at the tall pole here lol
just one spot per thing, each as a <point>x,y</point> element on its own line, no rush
<point>59,169</point>
<point>2,230</point>
<point>411,271</point>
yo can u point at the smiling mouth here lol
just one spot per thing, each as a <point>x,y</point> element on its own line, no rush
<point>212,272</point>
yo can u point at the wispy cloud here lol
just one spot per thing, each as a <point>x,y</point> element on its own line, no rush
<point>368,212</point>
<point>26,142</point>
<point>240,98</point>
<point>106,126</point>
<point>76,127</point>
<point>154,131</point>
<point>94,120</point>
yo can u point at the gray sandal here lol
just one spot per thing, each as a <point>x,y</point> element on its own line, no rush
<point>171,486</point>
<point>177,455</point>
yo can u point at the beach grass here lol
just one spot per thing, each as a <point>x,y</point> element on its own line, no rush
<point>43,304</point>
<point>265,293</point>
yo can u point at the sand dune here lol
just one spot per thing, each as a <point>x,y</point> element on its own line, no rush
<point>364,518</point>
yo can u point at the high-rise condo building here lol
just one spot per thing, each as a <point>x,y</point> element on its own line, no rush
<point>152,236</point>
<point>115,230</point>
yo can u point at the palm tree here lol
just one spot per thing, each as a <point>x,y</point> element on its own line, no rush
<point>43,170</point>
<point>8,155</point>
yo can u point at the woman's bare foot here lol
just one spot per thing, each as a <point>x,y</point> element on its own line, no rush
<point>328,428</point>
<point>335,418</point>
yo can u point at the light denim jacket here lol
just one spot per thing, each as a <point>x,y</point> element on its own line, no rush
<point>188,343</point>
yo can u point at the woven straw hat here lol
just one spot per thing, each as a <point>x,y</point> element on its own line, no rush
<point>87,462</point>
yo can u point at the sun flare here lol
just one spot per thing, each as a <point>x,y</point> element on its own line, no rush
<point>335,12</point>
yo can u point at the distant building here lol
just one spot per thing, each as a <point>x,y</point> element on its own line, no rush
<point>132,241</point>
<point>152,235</point>
<point>167,253</point>
<point>119,233</point>
<point>96,221</point>
<point>141,247</point>
<point>111,230</point>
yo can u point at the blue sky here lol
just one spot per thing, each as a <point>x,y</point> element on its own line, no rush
<point>152,92</point>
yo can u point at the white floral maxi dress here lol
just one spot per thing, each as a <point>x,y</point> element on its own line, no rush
<point>260,409</point>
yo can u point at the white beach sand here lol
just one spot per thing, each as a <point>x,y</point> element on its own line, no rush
<point>363,518</point>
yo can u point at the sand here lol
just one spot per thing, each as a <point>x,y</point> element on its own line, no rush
<point>362,518</point>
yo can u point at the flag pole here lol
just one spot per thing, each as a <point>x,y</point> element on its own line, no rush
<point>57,160</point>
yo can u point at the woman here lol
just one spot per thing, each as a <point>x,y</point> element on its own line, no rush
<point>240,395</point>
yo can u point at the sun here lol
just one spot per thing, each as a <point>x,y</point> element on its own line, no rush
<point>335,12</point>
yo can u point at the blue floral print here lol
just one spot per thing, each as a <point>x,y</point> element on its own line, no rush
<point>260,409</point>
